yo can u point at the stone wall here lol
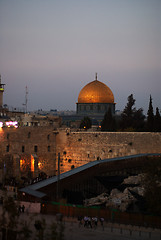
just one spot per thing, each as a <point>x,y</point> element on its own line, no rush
<point>78,148</point>
<point>75,148</point>
<point>26,142</point>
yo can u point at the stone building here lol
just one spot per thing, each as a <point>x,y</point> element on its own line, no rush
<point>95,99</point>
<point>27,151</point>
<point>40,120</point>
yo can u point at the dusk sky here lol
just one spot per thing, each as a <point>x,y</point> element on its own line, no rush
<point>55,47</point>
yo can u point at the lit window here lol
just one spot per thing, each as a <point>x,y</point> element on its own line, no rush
<point>7,148</point>
<point>32,163</point>
<point>35,148</point>
<point>23,148</point>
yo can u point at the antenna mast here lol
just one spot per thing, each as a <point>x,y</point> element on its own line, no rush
<point>26,99</point>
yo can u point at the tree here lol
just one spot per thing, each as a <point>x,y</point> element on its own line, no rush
<point>150,117</point>
<point>108,123</point>
<point>86,123</point>
<point>131,118</point>
<point>138,120</point>
<point>127,115</point>
<point>157,121</point>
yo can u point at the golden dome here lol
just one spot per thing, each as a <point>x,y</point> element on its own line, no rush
<point>96,92</point>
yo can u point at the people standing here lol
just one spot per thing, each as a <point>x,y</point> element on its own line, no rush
<point>102,220</point>
<point>95,220</point>
<point>85,221</point>
<point>89,222</point>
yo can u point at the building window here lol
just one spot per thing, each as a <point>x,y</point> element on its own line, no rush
<point>48,137</point>
<point>29,134</point>
<point>7,148</point>
<point>48,148</point>
<point>91,107</point>
<point>23,149</point>
<point>35,148</point>
<point>8,135</point>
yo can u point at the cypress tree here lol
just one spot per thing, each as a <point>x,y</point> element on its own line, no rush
<point>157,121</point>
<point>150,117</point>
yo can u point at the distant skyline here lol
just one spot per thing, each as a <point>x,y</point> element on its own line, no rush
<point>55,47</point>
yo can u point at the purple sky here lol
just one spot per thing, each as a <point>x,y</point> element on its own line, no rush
<point>55,47</point>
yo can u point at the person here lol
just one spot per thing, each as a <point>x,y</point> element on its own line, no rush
<point>102,220</point>
<point>80,218</point>
<point>23,208</point>
<point>89,222</point>
<point>85,221</point>
<point>95,220</point>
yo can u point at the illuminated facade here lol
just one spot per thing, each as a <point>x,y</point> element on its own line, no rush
<point>95,99</point>
<point>27,151</point>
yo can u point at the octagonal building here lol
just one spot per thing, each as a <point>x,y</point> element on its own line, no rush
<point>95,99</point>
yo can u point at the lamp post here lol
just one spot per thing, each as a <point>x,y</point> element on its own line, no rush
<point>58,176</point>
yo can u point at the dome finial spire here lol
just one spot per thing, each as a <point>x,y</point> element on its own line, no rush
<point>96,76</point>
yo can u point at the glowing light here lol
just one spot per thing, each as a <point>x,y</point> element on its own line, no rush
<point>40,166</point>
<point>32,163</point>
<point>12,124</point>
<point>1,124</point>
<point>22,162</point>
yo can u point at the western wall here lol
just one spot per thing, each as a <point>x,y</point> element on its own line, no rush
<point>78,148</point>
<point>35,149</point>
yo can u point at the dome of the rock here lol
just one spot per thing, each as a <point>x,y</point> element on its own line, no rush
<point>95,99</point>
<point>96,92</point>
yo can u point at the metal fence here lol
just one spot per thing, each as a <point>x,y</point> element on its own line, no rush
<point>110,215</point>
